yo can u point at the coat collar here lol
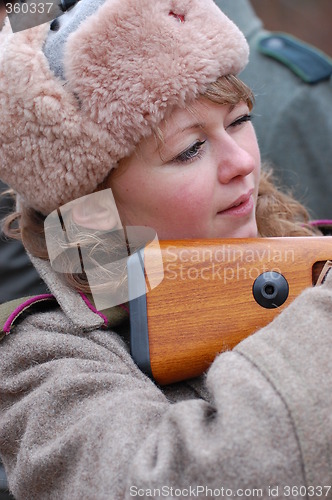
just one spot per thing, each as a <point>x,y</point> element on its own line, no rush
<point>78,307</point>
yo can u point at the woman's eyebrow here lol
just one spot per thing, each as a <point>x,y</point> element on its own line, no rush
<point>183,129</point>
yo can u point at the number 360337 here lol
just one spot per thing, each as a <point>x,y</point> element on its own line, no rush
<point>29,8</point>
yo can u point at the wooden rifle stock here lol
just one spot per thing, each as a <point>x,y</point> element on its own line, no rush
<point>206,301</point>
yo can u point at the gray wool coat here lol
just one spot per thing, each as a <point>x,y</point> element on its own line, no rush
<point>79,420</point>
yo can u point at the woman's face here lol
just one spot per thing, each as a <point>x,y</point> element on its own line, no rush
<point>201,181</point>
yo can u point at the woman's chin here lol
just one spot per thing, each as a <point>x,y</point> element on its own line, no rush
<point>247,231</point>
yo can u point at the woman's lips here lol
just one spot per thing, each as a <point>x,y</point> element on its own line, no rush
<point>240,208</point>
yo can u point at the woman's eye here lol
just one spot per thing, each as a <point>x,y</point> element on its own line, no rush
<point>240,120</point>
<point>192,152</point>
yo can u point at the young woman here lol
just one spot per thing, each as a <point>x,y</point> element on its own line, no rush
<point>141,97</point>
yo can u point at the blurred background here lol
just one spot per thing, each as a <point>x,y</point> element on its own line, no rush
<point>310,20</point>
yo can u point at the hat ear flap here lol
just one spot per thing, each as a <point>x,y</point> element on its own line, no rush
<point>101,220</point>
<point>97,211</point>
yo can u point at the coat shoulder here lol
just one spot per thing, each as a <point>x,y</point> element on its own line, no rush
<point>13,311</point>
<point>307,62</point>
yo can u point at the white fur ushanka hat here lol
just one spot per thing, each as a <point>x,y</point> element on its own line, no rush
<point>75,101</point>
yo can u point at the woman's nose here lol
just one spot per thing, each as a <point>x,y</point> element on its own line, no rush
<point>235,160</point>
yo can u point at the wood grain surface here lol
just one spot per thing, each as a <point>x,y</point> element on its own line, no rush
<point>205,303</point>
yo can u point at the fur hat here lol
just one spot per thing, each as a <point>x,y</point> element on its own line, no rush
<point>75,101</point>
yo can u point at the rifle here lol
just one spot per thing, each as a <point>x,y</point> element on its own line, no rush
<point>214,293</point>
